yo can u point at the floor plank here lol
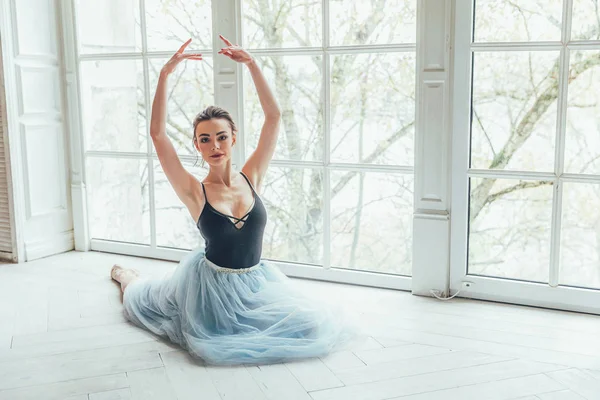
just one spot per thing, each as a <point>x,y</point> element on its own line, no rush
<point>313,374</point>
<point>435,381</point>
<point>236,383</point>
<point>74,387</point>
<point>416,366</point>
<point>151,384</point>
<point>500,390</point>
<point>560,395</point>
<point>78,365</point>
<point>119,394</point>
<point>277,382</point>
<point>579,382</point>
<point>189,377</point>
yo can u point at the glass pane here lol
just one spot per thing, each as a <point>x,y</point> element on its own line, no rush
<point>170,23</point>
<point>191,89</point>
<point>373,108</point>
<point>509,229</point>
<point>586,20</point>
<point>108,26</point>
<point>514,110</point>
<point>297,83</point>
<point>117,199</point>
<point>517,20</point>
<point>175,227</point>
<point>282,23</point>
<point>294,201</point>
<point>112,96</point>
<point>373,22</point>
<point>580,236</point>
<point>582,142</point>
<point>371,221</point>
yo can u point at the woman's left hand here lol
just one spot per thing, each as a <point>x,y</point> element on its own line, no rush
<point>235,52</point>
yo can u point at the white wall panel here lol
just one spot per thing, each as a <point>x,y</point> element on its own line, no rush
<point>32,64</point>
<point>432,152</point>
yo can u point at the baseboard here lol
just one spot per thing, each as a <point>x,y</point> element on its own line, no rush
<point>58,243</point>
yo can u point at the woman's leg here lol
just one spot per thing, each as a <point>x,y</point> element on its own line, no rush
<point>123,276</point>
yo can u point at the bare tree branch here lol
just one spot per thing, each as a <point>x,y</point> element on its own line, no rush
<point>526,126</point>
<point>476,114</point>
<point>381,147</point>
<point>520,186</point>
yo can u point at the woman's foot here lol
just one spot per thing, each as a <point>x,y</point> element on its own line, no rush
<point>116,272</point>
<point>123,276</point>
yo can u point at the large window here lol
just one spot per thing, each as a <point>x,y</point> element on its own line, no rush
<point>533,179</point>
<point>340,190</point>
<point>122,47</point>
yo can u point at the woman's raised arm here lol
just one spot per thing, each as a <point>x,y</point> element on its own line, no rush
<point>182,181</point>
<point>255,167</point>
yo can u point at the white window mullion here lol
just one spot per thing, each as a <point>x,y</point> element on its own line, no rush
<point>508,174</point>
<point>580,178</point>
<point>326,139</point>
<point>461,106</point>
<point>357,49</point>
<point>517,46</point>
<point>75,127</point>
<point>227,73</point>
<point>240,153</point>
<point>149,145</point>
<point>559,165</point>
<point>111,56</point>
<point>584,45</point>
<point>371,167</point>
<point>327,162</point>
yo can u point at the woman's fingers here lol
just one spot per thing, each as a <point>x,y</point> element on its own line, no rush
<point>227,42</point>
<point>183,46</point>
<point>194,58</point>
<point>192,55</point>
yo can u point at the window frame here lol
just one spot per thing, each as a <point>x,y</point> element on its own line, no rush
<point>230,10</point>
<point>551,295</point>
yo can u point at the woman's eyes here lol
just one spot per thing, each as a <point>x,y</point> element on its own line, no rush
<point>205,139</point>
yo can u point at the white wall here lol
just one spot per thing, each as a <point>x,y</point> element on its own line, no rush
<point>37,128</point>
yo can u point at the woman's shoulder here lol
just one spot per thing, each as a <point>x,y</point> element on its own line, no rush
<point>250,178</point>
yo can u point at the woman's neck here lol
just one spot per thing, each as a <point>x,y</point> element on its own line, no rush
<point>222,174</point>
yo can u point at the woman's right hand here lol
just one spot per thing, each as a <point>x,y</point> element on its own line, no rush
<point>178,57</point>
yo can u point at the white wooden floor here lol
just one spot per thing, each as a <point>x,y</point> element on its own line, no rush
<point>63,336</point>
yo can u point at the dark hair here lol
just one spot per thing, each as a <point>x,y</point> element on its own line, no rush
<point>212,112</point>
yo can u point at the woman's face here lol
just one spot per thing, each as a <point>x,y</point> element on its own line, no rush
<point>214,140</point>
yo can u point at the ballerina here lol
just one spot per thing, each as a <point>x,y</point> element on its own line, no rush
<point>223,303</point>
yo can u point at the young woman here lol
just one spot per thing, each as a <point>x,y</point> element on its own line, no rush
<point>223,304</point>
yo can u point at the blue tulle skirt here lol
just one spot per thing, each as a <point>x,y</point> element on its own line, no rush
<point>226,316</point>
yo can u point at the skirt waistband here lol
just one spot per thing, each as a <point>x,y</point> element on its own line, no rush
<point>226,270</point>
